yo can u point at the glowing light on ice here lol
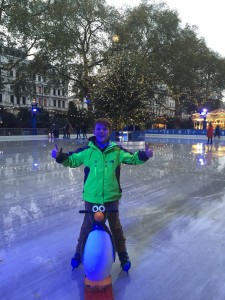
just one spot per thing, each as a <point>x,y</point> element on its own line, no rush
<point>201,161</point>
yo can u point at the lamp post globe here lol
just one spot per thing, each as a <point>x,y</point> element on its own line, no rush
<point>115,38</point>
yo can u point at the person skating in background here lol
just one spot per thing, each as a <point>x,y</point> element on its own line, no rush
<point>64,132</point>
<point>102,159</point>
<point>204,123</point>
<point>84,130</point>
<point>69,129</point>
<point>210,132</point>
<point>55,131</point>
<point>77,128</point>
<point>51,129</point>
<point>217,131</point>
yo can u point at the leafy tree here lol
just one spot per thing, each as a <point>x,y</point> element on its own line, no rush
<point>9,120</point>
<point>121,91</point>
<point>24,118</point>
<point>19,36</point>
<point>174,56</point>
<point>75,39</point>
<point>125,88</point>
<point>43,120</point>
<point>75,116</point>
<point>191,76</point>
<point>59,119</point>
<point>146,32</point>
<point>71,41</point>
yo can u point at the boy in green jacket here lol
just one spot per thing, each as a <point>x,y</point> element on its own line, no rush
<point>102,159</point>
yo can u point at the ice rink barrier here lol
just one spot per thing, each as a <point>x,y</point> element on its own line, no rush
<point>179,133</point>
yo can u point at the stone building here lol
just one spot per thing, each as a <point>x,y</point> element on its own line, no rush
<point>52,98</point>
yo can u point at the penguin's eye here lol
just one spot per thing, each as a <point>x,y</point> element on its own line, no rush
<point>101,208</point>
<point>95,208</point>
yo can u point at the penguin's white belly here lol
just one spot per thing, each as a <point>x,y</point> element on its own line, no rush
<point>98,255</point>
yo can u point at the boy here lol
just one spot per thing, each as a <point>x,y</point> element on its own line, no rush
<point>102,159</point>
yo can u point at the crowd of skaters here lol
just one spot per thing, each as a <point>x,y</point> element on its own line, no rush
<point>80,131</point>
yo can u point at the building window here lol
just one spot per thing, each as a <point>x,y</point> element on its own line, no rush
<point>17,100</point>
<point>0,97</point>
<point>40,102</point>
<point>54,92</point>
<point>24,100</point>
<point>45,102</point>
<point>58,92</point>
<point>11,73</point>
<point>59,103</point>
<point>12,99</point>
<point>39,78</point>
<point>63,92</point>
<point>63,104</point>
<point>54,103</point>
<point>39,90</point>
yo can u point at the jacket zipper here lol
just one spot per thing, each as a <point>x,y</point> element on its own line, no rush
<point>103,157</point>
<point>95,167</point>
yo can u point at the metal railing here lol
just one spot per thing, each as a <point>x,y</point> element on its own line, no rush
<point>23,131</point>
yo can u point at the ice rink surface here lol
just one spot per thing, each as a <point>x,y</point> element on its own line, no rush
<point>172,211</point>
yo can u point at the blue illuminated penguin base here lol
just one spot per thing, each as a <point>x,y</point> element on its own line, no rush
<point>98,255</point>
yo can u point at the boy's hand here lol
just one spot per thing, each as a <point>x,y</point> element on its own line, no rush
<point>148,151</point>
<point>55,152</point>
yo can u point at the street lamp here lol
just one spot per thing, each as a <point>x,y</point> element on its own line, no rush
<point>34,110</point>
<point>116,39</point>
<point>42,94</point>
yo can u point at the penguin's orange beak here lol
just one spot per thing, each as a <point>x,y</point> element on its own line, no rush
<point>99,216</point>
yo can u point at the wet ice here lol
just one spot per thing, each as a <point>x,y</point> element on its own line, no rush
<point>172,212</point>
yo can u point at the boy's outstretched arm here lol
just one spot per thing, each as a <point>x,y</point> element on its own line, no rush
<point>136,158</point>
<point>72,159</point>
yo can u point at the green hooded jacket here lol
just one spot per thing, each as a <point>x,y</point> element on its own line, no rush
<point>101,169</point>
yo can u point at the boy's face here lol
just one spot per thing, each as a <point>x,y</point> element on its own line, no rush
<point>102,133</point>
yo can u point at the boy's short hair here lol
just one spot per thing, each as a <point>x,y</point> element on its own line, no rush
<point>105,122</point>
